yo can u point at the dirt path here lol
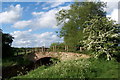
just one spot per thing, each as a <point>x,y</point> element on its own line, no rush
<point>72,56</point>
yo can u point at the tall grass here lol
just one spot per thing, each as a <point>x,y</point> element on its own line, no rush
<point>83,68</point>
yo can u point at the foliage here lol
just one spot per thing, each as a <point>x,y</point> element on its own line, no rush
<point>59,46</point>
<point>7,40</point>
<point>14,61</point>
<point>102,36</point>
<point>83,68</point>
<point>73,19</point>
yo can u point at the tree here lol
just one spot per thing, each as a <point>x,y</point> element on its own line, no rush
<point>74,18</point>
<point>102,37</point>
<point>7,40</point>
<point>59,46</point>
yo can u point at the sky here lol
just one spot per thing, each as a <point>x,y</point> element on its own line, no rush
<point>33,24</point>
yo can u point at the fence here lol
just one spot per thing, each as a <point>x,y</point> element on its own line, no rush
<point>66,48</point>
<point>23,51</point>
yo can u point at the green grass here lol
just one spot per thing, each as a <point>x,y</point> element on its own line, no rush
<point>21,53</point>
<point>14,61</point>
<point>83,68</point>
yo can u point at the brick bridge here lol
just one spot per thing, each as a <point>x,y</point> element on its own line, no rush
<point>59,55</point>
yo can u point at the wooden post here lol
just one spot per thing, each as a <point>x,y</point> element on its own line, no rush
<point>42,48</point>
<point>37,49</point>
<point>31,50</point>
<point>17,52</point>
<point>53,48</point>
<point>34,50</point>
<point>67,48</point>
<point>80,49</point>
<point>25,51</point>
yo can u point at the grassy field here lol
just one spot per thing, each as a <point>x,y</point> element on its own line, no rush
<point>82,68</point>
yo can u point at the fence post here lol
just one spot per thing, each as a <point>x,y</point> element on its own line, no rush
<point>25,51</point>
<point>17,52</point>
<point>38,49</point>
<point>53,48</point>
<point>31,50</point>
<point>66,48</point>
<point>42,48</point>
<point>34,50</point>
<point>80,49</point>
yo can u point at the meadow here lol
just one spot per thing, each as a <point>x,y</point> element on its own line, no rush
<point>82,68</point>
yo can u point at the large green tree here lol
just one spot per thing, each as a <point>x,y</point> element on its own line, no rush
<point>102,37</point>
<point>7,40</point>
<point>74,18</point>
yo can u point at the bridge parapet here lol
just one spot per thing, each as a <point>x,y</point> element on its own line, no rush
<point>59,55</point>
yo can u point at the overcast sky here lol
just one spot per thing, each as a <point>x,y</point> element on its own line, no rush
<point>33,24</point>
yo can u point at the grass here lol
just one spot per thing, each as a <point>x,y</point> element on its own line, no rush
<point>10,61</point>
<point>83,68</point>
<point>22,53</point>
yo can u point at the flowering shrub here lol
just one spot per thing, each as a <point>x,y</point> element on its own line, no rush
<point>102,36</point>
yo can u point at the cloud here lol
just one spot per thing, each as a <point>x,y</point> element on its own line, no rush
<point>111,5</point>
<point>41,20</point>
<point>37,13</point>
<point>12,15</point>
<point>62,0</point>
<point>45,8</point>
<point>27,39</point>
<point>55,4</point>
<point>52,5</point>
<point>47,20</point>
<point>22,24</point>
<point>112,9</point>
<point>114,15</point>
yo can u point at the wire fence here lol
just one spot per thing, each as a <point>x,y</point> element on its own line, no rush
<point>23,51</point>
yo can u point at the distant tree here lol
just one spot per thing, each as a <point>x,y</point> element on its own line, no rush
<point>59,46</point>
<point>7,40</point>
<point>73,19</point>
<point>102,37</point>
